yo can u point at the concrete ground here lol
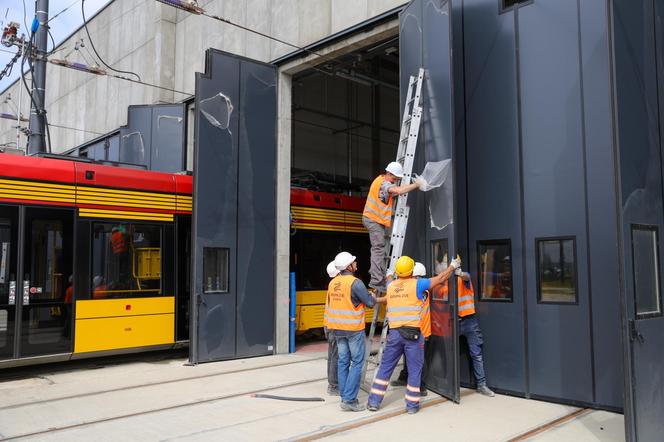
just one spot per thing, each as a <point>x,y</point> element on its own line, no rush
<point>161,398</point>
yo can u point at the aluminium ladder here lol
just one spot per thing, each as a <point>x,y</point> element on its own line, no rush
<point>410,128</point>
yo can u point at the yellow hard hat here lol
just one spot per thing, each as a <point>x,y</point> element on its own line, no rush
<point>404,266</point>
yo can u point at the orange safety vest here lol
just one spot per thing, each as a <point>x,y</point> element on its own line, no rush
<point>403,307</point>
<point>374,208</point>
<point>341,314</point>
<point>118,242</point>
<point>425,320</point>
<point>466,297</point>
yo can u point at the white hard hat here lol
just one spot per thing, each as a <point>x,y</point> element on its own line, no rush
<point>343,260</point>
<point>332,270</point>
<point>97,280</point>
<point>395,169</point>
<point>419,269</point>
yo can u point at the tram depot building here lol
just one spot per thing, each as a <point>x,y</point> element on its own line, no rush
<point>550,112</point>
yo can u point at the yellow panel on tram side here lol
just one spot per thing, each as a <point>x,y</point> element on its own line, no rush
<point>105,308</point>
<point>310,308</point>
<point>100,334</point>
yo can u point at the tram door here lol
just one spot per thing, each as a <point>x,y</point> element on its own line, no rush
<point>36,247</point>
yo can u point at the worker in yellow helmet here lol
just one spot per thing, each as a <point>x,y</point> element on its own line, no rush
<point>377,217</point>
<point>404,314</point>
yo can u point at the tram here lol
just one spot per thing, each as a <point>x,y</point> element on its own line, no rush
<point>93,259</point>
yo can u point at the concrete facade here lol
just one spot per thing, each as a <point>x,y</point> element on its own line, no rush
<point>166,47</point>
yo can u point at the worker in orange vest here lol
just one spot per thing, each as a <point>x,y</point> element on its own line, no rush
<point>470,328</point>
<point>348,297</point>
<point>377,217</point>
<point>405,297</point>
<point>332,352</point>
<point>419,271</point>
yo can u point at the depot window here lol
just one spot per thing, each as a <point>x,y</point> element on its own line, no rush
<point>556,270</point>
<point>215,269</point>
<point>439,262</point>
<point>126,260</point>
<point>645,268</point>
<point>495,270</point>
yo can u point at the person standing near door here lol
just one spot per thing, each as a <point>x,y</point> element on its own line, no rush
<point>348,298</point>
<point>377,218</point>
<point>470,328</point>
<point>404,313</point>
<point>332,352</point>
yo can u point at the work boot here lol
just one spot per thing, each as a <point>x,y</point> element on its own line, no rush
<point>412,410</point>
<point>352,406</point>
<point>372,407</point>
<point>485,391</point>
<point>333,390</point>
<point>398,382</point>
<point>423,391</point>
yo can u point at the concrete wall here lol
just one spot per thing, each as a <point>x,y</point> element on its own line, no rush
<point>166,46</point>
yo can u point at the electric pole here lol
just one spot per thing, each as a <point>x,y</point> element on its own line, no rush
<point>37,138</point>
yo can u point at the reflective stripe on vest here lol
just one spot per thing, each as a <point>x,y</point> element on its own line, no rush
<point>340,313</point>
<point>374,208</point>
<point>403,307</point>
<point>466,297</point>
<point>425,321</point>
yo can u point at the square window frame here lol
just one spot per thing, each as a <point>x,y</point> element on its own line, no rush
<point>652,228</point>
<point>228,272</point>
<point>519,3</point>
<point>538,284</point>
<point>489,242</point>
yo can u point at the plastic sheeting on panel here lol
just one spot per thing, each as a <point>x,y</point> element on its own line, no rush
<point>217,109</point>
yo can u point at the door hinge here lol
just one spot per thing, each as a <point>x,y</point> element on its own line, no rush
<point>634,334</point>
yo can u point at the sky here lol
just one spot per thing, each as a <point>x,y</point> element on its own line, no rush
<point>61,27</point>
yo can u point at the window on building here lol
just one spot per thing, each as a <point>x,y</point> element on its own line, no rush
<point>556,270</point>
<point>215,269</point>
<point>506,5</point>
<point>439,262</point>
<point>126,260</point>
<point>645,267</point>
<point>495,270</point>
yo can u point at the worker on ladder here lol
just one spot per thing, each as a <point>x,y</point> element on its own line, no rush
<point>377,218</point>
<point>405,307</point>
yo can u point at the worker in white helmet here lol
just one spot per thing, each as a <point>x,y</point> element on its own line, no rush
<point>377,217</point>
<point>332,352</point>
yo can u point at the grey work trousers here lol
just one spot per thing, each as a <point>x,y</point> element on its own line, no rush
<point>378,239</point>
<point>332,359</point>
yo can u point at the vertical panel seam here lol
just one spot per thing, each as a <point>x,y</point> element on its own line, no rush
<point>582,102</point>
<point>517,60</point>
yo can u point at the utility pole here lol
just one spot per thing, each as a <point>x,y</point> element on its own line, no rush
<point>37,139</point>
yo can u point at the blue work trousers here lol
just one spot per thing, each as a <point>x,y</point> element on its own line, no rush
<point>351,357</point>
<point>470,328</point>
<point>413,351</point>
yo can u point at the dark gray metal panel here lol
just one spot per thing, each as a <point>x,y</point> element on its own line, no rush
<point>425,41</point>
<point>257,209</point>
<point>638,85</point>
<point>493,181</point>
<point>167,140</point>
<point>554,199</point>
<point>215,204</point>
<point>603,233</point>
<point>136,137</point>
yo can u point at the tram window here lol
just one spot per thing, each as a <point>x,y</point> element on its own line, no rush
<point>126,260</point>
<point>215,269</point>
<point>495,270</point>
<point>645,268</point>
<point>556,271</point>
<point>439,262</point>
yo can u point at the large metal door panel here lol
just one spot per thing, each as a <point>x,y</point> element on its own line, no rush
<point>426,41</point>
<point>167,138</point>
<point>559,330</point>
<point>256,209</point>
<point>214,223</point>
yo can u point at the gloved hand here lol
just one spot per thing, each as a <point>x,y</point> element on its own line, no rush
<point>421,183</point>
<point>456,262</point>
<point>458,271</point>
